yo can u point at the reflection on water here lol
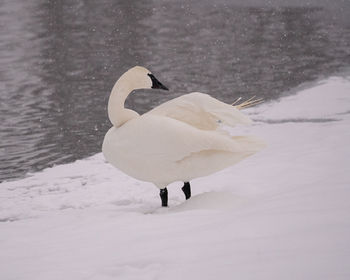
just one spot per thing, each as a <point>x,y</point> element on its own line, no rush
<point>60,59</point>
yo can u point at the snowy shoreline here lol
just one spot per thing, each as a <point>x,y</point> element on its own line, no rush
<point>281,214</point>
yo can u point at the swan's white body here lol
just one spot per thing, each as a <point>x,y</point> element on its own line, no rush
<point>177,141</point>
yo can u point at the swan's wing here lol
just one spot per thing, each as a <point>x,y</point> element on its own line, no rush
<point>162,150</point>
<point>152,136</point>
<point>201,111</point>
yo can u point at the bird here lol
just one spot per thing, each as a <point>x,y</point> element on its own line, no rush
<point>179,140</point>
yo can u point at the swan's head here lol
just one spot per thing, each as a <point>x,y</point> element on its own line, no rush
<point>140,77</point>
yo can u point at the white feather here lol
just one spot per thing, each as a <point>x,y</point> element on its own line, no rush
<point>202,111</point>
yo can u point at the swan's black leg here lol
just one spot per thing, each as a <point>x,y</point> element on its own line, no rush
<point>187,190</point>
<point>164,197</point>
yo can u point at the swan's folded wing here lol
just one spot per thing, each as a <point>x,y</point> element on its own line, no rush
<point>201,111</point>
<point>164,139</point>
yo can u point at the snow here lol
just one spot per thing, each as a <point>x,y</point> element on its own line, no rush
<point>282,214</point>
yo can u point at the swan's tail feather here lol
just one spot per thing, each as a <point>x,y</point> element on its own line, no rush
<point>248,103</point>
<point>238,99</point>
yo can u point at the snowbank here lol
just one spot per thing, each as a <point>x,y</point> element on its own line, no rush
<point>281,214</point>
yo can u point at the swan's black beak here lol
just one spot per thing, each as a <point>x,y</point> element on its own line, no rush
<point>156,83</point>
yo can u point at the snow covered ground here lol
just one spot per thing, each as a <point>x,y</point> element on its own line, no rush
<point>282,214</point>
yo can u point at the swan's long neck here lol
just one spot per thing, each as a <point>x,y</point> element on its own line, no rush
<point>117,114</point>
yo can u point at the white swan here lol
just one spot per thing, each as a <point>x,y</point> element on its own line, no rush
<point>177,141</point>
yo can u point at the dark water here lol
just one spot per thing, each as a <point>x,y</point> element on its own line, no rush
<point>60,59</point>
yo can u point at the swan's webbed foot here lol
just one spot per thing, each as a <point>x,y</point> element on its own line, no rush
<point>187,190</point>
<point>164,197</point>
